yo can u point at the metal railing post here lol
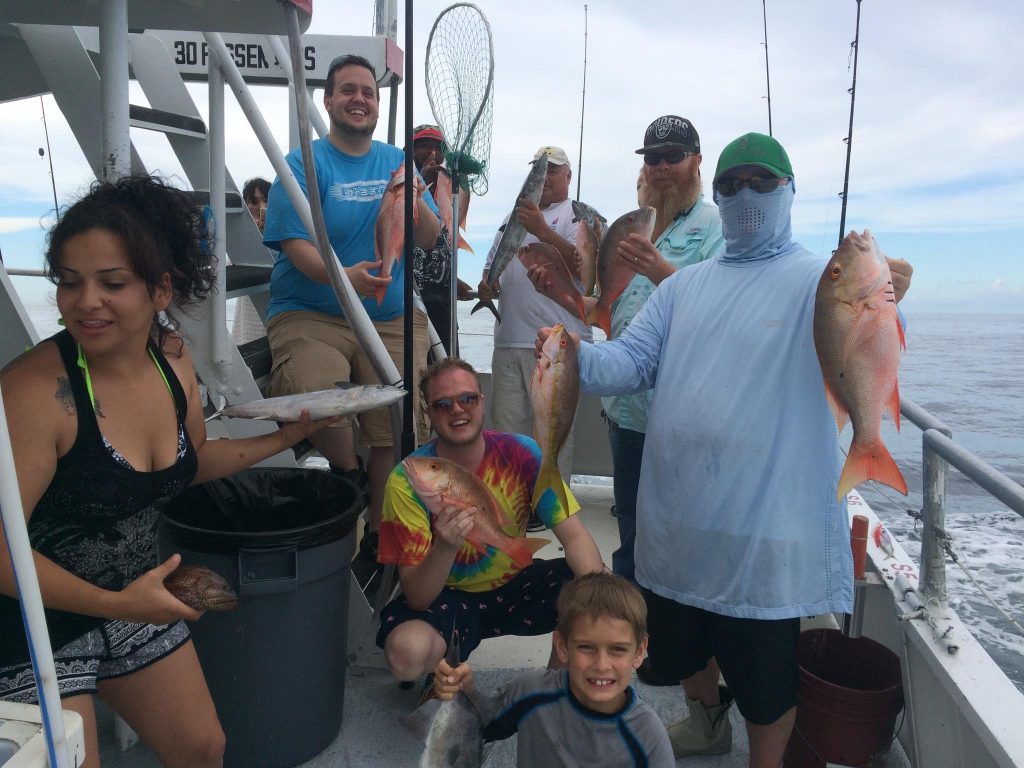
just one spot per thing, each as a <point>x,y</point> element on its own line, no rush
<point>933,556</point>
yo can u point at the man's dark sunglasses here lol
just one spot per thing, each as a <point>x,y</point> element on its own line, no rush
<point>466,401</point>
<point>729,187</point>
<point>672,157</point>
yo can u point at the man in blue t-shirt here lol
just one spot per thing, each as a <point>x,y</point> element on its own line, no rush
<point>311,341</point>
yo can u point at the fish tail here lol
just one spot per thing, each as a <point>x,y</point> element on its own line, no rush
<point>603,318</point>
<point>489,305</point>
<point>870,461</point>
<point>550,477</point>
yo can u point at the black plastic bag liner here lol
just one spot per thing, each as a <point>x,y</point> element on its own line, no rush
<point>263,508</point>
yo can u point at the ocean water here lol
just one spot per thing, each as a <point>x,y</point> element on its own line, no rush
<point>966,370</point>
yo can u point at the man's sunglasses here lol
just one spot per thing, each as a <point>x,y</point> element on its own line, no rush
<point>729,187</point>
<point>673,157</point>
<point>466,401</point>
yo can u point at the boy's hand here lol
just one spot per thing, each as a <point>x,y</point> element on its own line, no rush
<point>448,681</point>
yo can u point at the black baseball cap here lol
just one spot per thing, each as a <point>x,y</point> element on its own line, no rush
<point>670,132</point>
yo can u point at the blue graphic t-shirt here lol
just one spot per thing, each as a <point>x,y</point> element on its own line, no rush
<point>351,189</point>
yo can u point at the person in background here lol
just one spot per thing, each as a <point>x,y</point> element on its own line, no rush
<point>106,418</point>
<point>739,532</point>
<point>450,587</point>
<point>587,713</point>
<point>432,268</point>
<point>312,343</point>
<point>524,310</point>
<point>255,193</point>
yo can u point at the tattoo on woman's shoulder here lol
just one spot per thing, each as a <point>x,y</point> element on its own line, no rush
<point>65,396</point>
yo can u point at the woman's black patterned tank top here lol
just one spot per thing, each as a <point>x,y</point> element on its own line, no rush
<point>97,517</point>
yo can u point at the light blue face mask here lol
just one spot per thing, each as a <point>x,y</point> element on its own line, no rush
<point>756,226</point>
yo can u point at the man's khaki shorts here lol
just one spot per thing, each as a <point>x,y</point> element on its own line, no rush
<point>312,350</point>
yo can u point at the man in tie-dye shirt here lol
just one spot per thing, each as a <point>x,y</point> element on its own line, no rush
<point>451,588</point>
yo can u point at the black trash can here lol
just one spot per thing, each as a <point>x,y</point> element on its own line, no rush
<point>283,539</point>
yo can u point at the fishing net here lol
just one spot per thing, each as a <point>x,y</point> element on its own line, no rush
<point>459,80</point>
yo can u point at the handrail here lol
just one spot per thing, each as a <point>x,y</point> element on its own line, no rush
<point>938,452</point>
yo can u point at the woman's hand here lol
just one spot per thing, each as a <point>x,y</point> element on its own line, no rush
<point>147,601</point>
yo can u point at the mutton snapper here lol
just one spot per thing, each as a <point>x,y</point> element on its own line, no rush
<point>590,226</point>
<point>554,395</point>
<point>858,337</point>
<point>347,399</point>
<point>443,200</point>
<point>389,242</point>
<point>440,483</point>
<point>560,286</point>
<point>514,232</point>
<point>614,272</point>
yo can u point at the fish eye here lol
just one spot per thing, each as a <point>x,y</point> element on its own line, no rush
<point>836,271</point>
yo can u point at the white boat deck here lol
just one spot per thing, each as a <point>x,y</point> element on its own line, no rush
<point>372,736</point>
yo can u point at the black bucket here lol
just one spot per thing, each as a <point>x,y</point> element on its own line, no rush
<point>283,539</point>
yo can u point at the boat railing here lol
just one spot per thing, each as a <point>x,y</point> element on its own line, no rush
<point>939,452</point>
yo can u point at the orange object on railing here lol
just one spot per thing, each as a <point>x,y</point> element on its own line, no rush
<point>859,544</point>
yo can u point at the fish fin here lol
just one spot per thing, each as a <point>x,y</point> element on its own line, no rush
<point>581,308</point>
<point>869,461</point>
<point>602,318</point>
<point>419,720</point>
<point>379,292</point>
<point>464,245</point>
<point>893,406</point>
<point>535,543</point>
<point>486,303</point>
<point>521,549</point>
<point>903,338</point>
<point>839,412</point>
<point>860,328</point>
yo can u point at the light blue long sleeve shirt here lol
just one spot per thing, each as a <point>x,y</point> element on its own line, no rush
<point>736,511</point>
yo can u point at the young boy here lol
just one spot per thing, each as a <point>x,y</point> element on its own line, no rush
<point>587,714</point>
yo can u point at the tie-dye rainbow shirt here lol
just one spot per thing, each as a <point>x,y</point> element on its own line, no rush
<point>509,468</point>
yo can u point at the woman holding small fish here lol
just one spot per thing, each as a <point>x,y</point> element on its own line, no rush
<point>106,418</point>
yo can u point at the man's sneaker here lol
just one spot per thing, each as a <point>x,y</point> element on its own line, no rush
<point>705,731</point>
<point>365,568</point>
<point>535,523</point>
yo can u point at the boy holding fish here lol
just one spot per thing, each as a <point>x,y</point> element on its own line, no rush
<point>739,529</point>
<point>455,514</point>
<point>587,713</point>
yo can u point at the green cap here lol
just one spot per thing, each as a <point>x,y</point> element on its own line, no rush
<point>755,149</point>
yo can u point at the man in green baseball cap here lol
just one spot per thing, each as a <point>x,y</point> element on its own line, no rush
<point>738,524</point>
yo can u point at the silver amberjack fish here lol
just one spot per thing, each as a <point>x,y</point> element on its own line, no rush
<point>514,233</point>
<point>349,399</point>
<point>453,730</point>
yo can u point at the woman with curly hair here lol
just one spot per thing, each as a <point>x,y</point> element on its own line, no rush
<point>105,419</point>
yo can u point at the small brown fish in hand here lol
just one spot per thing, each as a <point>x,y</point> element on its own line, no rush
<point>201,589</point>
<point>613,272</point>
<point>858,337</point>
<point>554,395</point>
<point>442,483</point>
<point>559,285</point>
<point>389,240</point>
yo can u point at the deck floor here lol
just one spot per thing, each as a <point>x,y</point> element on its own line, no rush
<point>371,734</point>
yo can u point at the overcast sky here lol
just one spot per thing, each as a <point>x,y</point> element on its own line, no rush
<point>938,149</point>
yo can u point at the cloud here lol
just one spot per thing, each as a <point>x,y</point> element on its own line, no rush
<point>11,224</point>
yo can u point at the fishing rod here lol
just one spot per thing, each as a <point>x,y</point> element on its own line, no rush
<point>583,106</point>
<point>849,136</point>
<point>767,72</point>
<point>49,156</point>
